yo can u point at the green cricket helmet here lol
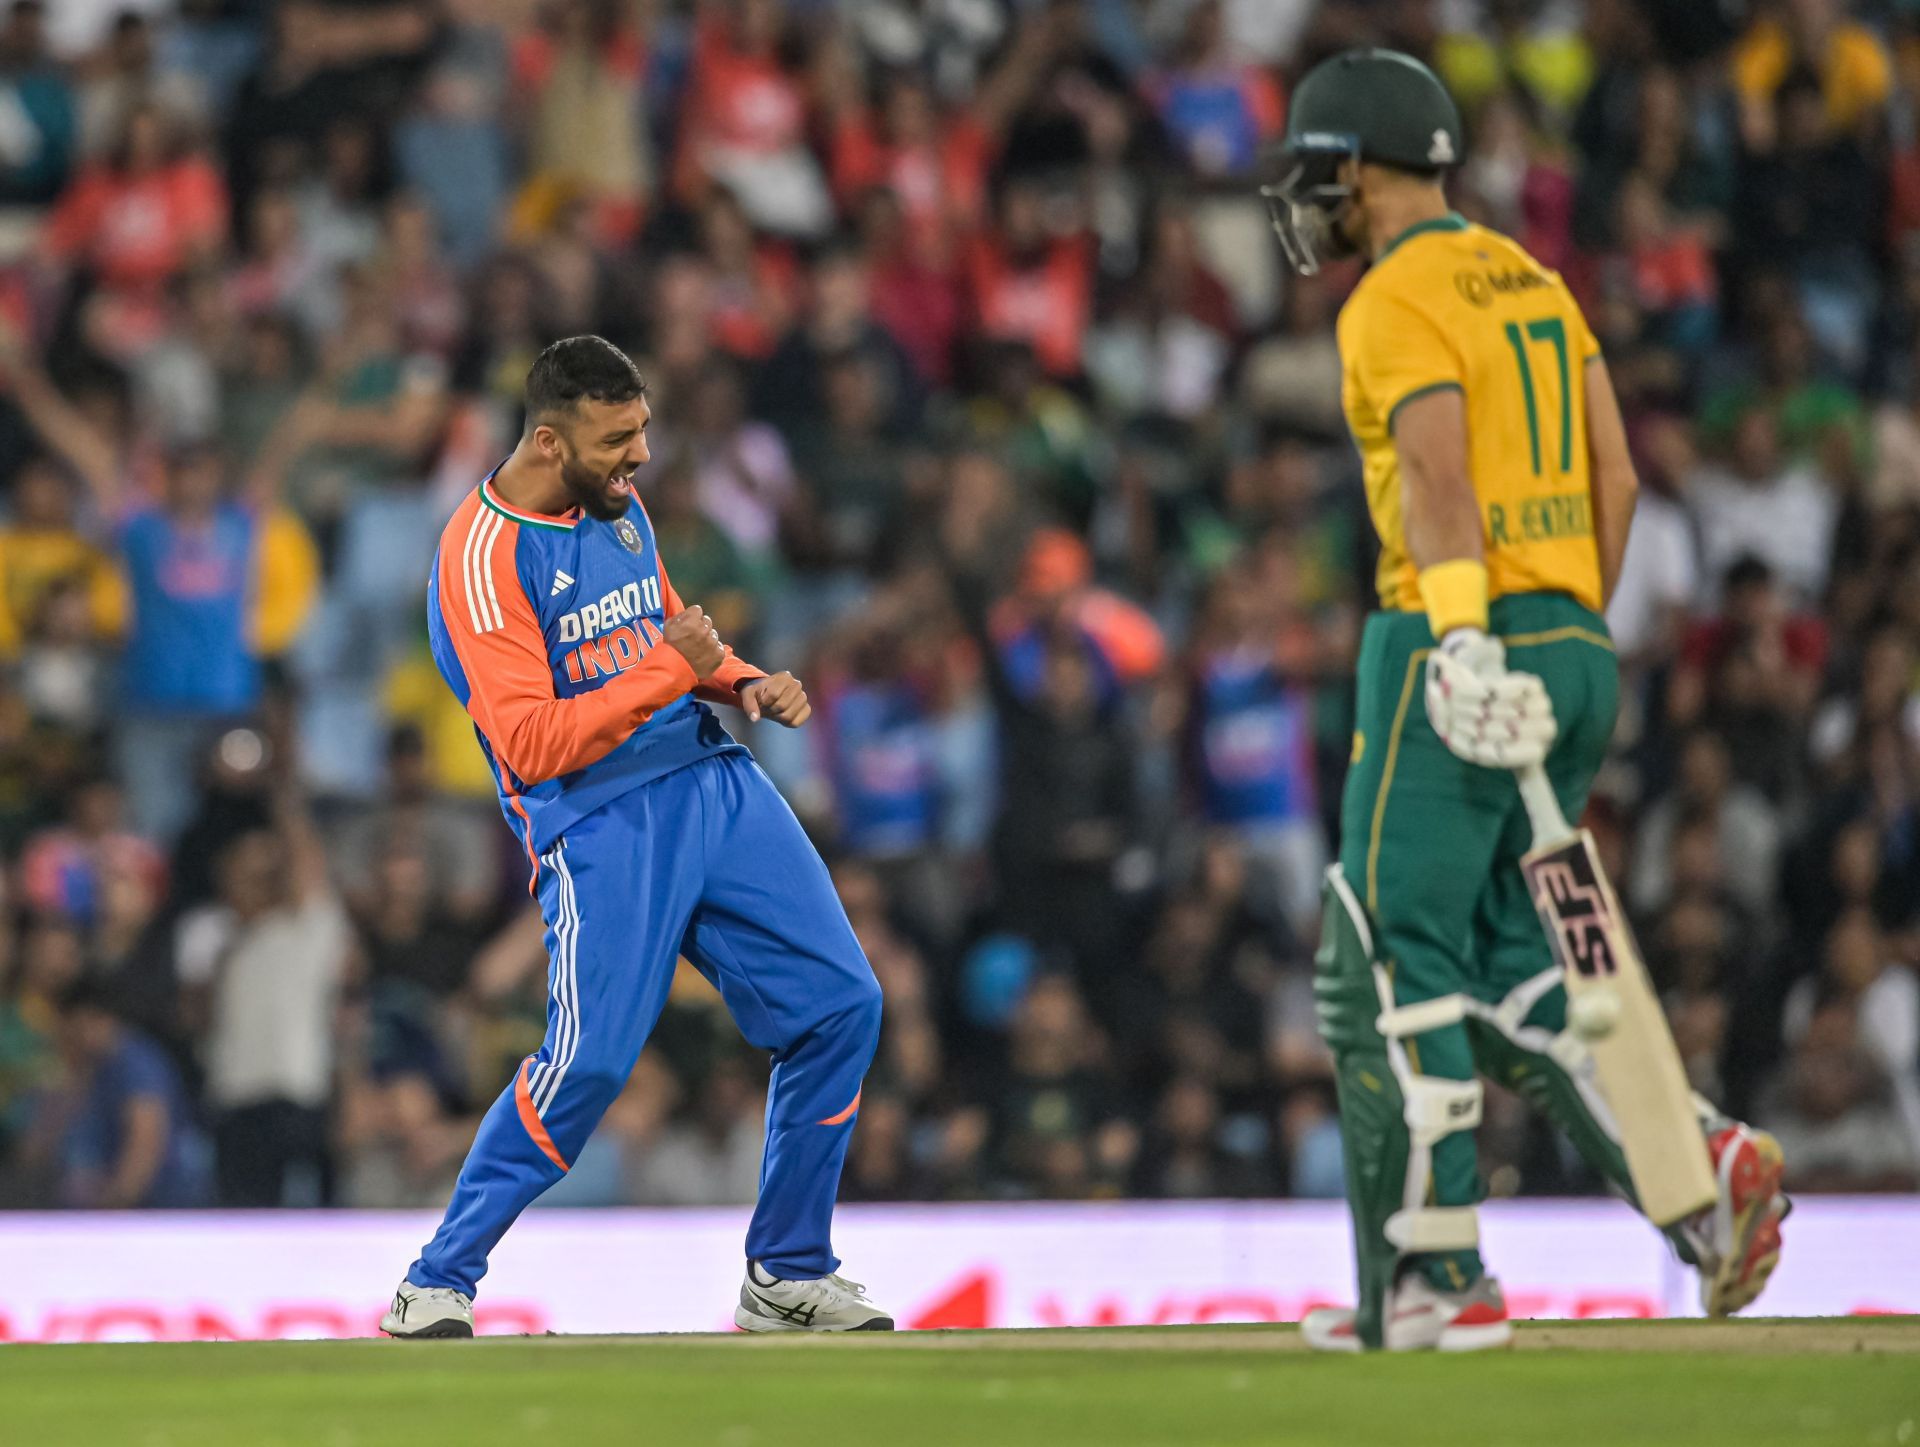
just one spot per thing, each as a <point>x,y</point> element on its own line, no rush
<point>1362,105</point>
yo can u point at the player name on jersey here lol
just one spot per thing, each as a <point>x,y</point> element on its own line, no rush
<point>1564,515</point>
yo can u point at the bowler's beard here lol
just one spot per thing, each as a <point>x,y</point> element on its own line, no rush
<point>589,489</point>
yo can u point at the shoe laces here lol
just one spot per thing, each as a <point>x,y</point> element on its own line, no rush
<point>852,1290</point>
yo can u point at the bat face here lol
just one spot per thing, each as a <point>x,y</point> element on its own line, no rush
<point>1576,909</point>
<point>1634,1059</point>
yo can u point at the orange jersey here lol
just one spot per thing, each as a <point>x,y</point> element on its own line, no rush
<point>549,631</point>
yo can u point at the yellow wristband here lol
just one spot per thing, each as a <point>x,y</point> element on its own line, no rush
<point>1455,593</point>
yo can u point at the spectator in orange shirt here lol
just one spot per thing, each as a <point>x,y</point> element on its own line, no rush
<point>1671,265</point>
<point>934,165</point>
<point>755,283</point>
<point>1056,596</point>
<point>1032,283</point>
<point>151,210</point>
<point>744,124</point>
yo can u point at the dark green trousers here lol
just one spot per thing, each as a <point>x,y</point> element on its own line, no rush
<point>1432,845</point>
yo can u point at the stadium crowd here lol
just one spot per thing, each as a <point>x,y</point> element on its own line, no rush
<point>982,402</point>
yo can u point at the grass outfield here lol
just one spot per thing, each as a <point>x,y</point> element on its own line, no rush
<point>1855,1381</point>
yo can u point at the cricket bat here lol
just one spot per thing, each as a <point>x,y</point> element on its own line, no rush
<point>1634,1056</point>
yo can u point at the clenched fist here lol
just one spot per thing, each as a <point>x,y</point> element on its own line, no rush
<point>692,633</point>
<point>779,698</point>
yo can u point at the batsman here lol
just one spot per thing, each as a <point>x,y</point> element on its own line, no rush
<point>1498,479</point>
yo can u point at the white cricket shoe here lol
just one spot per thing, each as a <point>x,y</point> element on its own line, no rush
<point>824,1303</point>
<point>1420,1318</point>
<point>428,1311</point>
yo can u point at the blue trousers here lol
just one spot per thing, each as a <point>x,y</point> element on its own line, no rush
<point>707,862</point>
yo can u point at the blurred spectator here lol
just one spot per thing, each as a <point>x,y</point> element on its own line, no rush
<point>1659,576</point>
<point>142,215</point>
<point>452,149</point>
<point>1744,829</point>
<point>1164,348</point>
<point>745,119</point>
<point>1849,70</point>
<point>398,1149</point>
<point>1763,506</point>
<point>1531,43</point>
<point>840,325</point>
<point>42,547</point>
<point>1831,1113</point>
<point>878,734</point>
<point>1887,695</point>
<point>1518,183</point>
<point>1183,1155</point>
<point>1219,112</point>
<point>917,299</point>
<point>35,165</point>
<point>1251,751</point>
<point>1032,282</point>
<point>264,966</point>
<point>449,840</point>
<point>215,585</point>
<point>934,167</point>
<point>1806,202</point>
<point>64,871</point>
<point>1808,401</point>
<point>712,1159</point>
<point>127,77</point>
<point>1292,377</point>
<point>581,74</point>
<point>1059,1117</point>
<point>742,468</point>
<point>1195,1008</point>
<point>118,1132</point>
<point>1858,970</point>
<point>1752,674</point>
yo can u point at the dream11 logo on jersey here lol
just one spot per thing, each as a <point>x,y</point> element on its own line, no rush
<point>613,633</point>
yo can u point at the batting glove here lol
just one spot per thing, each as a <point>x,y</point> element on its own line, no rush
<point>1483,713</point>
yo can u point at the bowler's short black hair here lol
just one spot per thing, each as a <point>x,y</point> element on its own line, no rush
<point>580,367</point>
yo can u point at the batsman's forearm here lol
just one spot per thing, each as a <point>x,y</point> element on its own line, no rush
<point>1615,494</point>
<point>1443,526</point>
<point>1616,487</point>
<point>1442,511</point>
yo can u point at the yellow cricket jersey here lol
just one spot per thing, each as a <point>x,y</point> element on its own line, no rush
<point>1452,304</point>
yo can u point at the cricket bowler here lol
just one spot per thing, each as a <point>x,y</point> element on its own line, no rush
<point>650,834</point>
<point>1498,479</point>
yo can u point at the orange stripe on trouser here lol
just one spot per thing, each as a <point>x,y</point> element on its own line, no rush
<point>845,1115</point>
<point>533,883</point>
<point>536,1127</point>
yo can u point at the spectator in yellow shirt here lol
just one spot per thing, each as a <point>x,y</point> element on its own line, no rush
<point>1851,62</point>
<point>40,545</point>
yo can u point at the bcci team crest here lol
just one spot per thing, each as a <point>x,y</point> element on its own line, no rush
<point>628,534</point>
